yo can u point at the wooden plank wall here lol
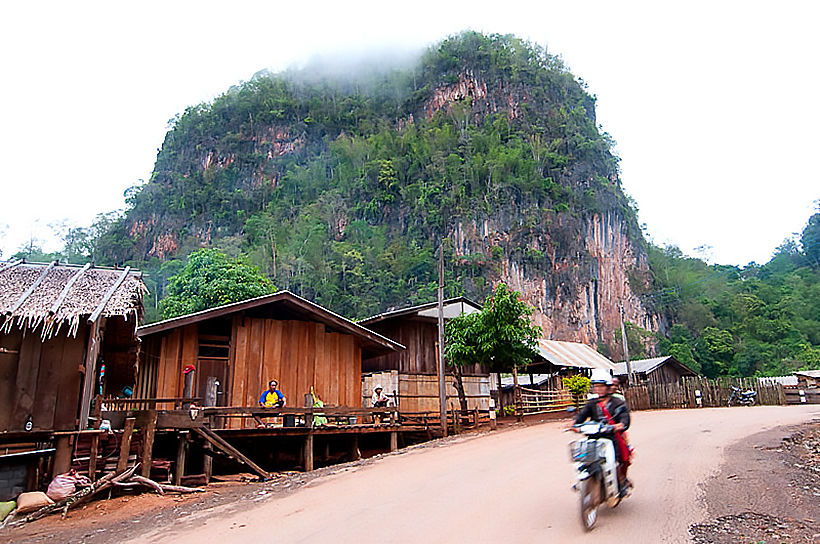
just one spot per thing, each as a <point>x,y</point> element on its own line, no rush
<point>179,348</point>
<point>714,393</point>
<point>8,374</point>
<point>665,374</point>
<point>299,354</point>
<point>147,368</point>
<point>43,381</point>
<point>420,357</point>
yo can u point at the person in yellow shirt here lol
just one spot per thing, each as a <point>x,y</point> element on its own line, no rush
<point>272,397</point>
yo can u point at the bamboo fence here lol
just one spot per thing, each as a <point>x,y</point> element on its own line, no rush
<point>535,401</point>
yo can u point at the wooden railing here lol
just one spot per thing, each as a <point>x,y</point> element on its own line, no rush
<point>347,416</point>
<point>248,417</point>
<point>172,403</point>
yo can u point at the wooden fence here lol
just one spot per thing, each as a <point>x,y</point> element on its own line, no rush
<point>801,395</point>
<point>534,401</point>
<point>694,392</point>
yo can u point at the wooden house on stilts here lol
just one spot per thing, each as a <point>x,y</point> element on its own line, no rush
<point>240,347</point>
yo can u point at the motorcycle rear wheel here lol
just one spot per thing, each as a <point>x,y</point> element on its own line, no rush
<point>590,499</point>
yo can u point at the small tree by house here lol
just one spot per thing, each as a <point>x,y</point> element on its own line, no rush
<point>500,336</point>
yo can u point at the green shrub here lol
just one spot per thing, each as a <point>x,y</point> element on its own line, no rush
<point>579,386</point>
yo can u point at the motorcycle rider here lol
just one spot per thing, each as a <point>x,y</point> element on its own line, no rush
<point>612,410</point>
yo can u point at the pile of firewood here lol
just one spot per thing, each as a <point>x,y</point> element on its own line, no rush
<point>111,481</point>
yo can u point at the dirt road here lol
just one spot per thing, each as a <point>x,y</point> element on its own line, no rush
<point>511,486</point>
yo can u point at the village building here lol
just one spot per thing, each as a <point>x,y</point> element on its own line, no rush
<point>808,379</point>
<point>655,371</point>
<point>239,347</point>
<point>556,360</point>
<point>67,334</point>
<point>409,376</point>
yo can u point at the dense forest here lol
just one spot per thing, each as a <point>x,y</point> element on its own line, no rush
<point>741,321</point>
<point>341,189</point>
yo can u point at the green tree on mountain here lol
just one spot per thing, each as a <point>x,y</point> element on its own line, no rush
<point>211,278</point>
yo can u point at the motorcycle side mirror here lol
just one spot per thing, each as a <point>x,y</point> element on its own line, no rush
<point>572,409</point>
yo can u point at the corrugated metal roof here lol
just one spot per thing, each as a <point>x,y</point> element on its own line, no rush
<point>572,354</point>
<point>646,366</point>
<point>640,365</point>
<point>809,373</point>
<point>452,308</point>
<point>782,380</point>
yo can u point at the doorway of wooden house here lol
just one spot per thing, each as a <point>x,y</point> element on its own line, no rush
<point>212,368</point>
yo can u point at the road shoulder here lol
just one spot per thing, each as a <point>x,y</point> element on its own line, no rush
<point>767,490</point>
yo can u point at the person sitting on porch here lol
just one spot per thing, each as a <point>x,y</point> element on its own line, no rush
<point>272,397</point>
<point>379,399</point>
<point>320,419</point>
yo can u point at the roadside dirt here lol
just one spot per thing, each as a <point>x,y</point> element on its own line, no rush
<point>124,517</point>
<point>767,491</point>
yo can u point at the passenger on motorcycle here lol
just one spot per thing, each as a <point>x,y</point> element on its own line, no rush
<point>614,411</point>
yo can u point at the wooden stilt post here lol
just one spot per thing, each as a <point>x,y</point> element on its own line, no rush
<point>182,450</point>
<point>148,443</point>
<point>92,457</point>
<point>95,439</point>
<point>62,455</point>
<point>354,448</point>
<point>207,458</point>
<point>308,452</point>
<point>394,441</point>
<point>125,444</point>
<point>207,462</point>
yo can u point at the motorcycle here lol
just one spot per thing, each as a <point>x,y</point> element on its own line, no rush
<point>594,458</point>
<point>745,398</point>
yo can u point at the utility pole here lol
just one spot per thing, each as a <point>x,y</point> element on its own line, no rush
<point>626,345</point>
<point>442,393</point>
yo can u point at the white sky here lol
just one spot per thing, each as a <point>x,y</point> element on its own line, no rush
<point>714,105</point>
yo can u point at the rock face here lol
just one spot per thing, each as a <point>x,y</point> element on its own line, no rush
<point>576,297</point>
<point>575,273</point>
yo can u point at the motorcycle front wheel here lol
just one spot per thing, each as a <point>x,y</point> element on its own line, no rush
<point>590,498</point>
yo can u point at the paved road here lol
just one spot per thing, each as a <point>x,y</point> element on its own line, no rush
<point>511,486</point>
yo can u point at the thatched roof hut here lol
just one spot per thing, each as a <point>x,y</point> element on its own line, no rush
<point>55,295</point>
